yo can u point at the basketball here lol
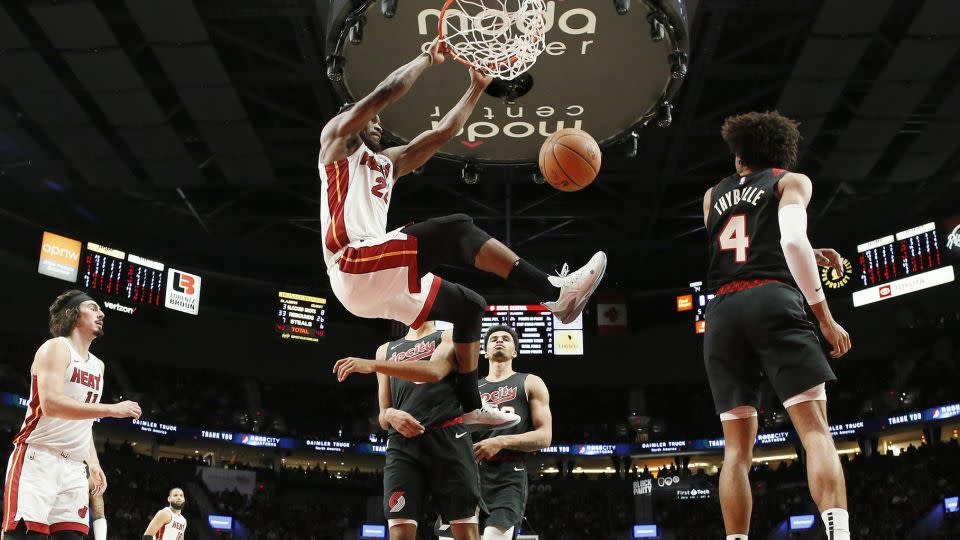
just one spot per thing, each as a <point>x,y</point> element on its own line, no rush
<point>570,159</point>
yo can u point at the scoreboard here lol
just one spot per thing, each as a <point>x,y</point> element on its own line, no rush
<point>696,302</point>
<point>540,333</point>
<point>124,275</point>
<point>901,263</point>
<point>300,317</point>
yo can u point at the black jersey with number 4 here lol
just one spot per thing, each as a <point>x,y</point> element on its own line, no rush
<point>744,230</point>
<point>430,403</point>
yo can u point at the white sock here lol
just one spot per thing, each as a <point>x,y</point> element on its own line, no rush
<point>100,529</point>
<point>495,533</point>
<point>837,521</point>
<point>736,537</point>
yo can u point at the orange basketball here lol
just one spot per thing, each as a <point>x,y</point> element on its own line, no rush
<point>570,159</point>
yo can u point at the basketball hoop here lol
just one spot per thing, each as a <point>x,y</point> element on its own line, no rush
<point>501,37</point>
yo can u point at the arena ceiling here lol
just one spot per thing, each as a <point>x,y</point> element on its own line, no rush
<point>189,131</point>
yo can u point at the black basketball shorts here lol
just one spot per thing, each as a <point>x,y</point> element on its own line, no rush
<point>439,462</point>
<point>761,331</point>
<point>504,488</point>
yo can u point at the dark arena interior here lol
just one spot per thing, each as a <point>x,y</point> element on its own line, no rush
<point>161,156</point>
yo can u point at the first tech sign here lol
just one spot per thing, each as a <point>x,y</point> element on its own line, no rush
<point>183,291</point>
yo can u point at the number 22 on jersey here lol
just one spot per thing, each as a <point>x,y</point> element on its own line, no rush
<point>734,237</point>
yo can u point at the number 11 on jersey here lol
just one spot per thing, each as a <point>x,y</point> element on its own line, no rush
<point>734,237</point>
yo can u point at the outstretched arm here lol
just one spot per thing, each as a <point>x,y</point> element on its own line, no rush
<point>531,441</point>
<point>411,156</point>
<point>402,421</point>
<point>440,365</point>
<point>338,131</point>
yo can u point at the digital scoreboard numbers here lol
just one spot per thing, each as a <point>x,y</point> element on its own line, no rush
<point>126,276</point>
<point>300,317</point>
<point>695,302</point>
<point>539,332</point>
<point>906,262</point>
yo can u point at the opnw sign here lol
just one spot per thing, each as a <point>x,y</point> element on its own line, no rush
<point>59,257</point>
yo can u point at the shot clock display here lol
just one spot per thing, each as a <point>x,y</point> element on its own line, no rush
<point>300,317</point>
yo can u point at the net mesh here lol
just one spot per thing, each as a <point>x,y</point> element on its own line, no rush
<point>502,37</point>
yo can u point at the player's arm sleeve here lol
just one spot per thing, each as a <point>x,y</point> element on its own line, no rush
<point>159,520</point>
<point>797,250</point>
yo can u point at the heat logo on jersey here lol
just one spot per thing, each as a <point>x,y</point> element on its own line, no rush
<point>500,395</point>
<point>397,501</point>
<point>86,379</point>
<point>423,349</point>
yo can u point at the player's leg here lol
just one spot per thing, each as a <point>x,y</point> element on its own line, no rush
<point>456,238</point>
<point>29,492</point>
<point>498,532</point>
<point>97,511</point>
<point>824,472</point>
<point>798,369</point>
<point>464,309</point>
<point>404,486</point>
<point>69,518</point>
<point>736,500</point>
<point>504,489</point>
<point>732,370</point>
<point>454,480</point>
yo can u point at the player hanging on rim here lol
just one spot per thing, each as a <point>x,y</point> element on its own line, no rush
<point>168,523</point>
<point>376,274</point>
<point>46,491</point>
<point>502,454</point>
<point>759,257</point>
<point>428,447</point>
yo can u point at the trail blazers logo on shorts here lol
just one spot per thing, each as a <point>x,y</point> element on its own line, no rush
<point>183,291</point>
<point>397,501</point>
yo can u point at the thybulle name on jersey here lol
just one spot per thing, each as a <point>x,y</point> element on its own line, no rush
<point>748,195</point>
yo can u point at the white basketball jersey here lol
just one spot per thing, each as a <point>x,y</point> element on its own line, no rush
<point>173,530</point>
<point>83,381</point>
<point>355,200</point>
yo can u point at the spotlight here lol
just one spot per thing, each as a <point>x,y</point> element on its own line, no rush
<point>471,175</point>
<point>665,114</point>
<point>623,6</point>
<point>538,178</point>
<point>632,144</point>
<point>388,8</point>
<point>335,68</point>
<point>678,65</point>
<point>657,30</point>
<point>356,31</point>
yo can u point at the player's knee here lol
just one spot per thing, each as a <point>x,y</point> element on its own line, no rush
<point>497,533</point>
<point>470,309</point>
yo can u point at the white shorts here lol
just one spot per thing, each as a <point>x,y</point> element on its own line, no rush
<point>46,490</point>
<point>377,279</point>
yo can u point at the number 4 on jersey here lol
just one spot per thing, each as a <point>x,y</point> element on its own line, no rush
<point>734,237</point>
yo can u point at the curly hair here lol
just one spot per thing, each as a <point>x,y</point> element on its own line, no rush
<point>63,318</point>
<point>763,139</point>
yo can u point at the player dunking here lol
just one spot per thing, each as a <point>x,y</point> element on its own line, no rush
<point>168,523</point>
<point>759,256</point>
<point>46,492</point>
<point>428,447</point>
<point>376,274</point>
<point>502,456</point>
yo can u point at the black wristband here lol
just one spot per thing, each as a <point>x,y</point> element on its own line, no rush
<point>147,537</point>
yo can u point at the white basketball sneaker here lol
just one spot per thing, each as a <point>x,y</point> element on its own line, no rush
<point>576,288</point>
<point>487,417</point>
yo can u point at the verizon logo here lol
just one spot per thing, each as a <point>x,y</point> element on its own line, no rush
<point>120,307</point>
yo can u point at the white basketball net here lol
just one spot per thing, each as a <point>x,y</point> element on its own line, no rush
<point>501,37</point>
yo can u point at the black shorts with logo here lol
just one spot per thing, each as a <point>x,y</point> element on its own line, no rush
<point>504,488</point>
<point>760,331</point>
<point>439,462</point>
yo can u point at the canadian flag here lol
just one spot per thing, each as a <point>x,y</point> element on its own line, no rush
<point>611,314</point>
